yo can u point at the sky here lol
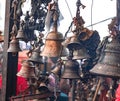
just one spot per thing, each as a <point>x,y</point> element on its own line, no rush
<point>101,10</point>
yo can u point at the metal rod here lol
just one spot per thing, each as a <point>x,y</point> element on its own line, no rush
<point>73,90</point>
<point>97,89</point>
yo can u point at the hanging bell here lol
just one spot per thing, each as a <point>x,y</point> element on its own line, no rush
<point>74,43</point>
<point>64,52</point>
<point>57,70</point>
<point>35,57</point>
<point>14,46</point>
<point>27,70</point>
<point>43,88</point>
<point>66,41</point>
<point>80,54</point>
<point>53,45</point>
<point>20,34</point>
<point>71,70</point>
<point>109,61</point>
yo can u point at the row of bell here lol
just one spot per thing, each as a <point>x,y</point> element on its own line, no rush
<point>71,70</point>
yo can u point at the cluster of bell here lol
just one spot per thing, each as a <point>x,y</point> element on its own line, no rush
<point>27,70</point>
<point>109,62</point>
<point>71,67</point>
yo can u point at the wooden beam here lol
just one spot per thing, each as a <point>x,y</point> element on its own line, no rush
<point>9,67</point>
<point>32,96</point>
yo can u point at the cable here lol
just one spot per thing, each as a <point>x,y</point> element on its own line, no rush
<point>69,9</point>
<point>91,13</point>
<point>100,22</point>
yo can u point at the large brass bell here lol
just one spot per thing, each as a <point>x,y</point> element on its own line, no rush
<point>27,70</point>
<point>109,61</point>
<point>35,56</point>
<point>80,54</point>
<point>53,45</point>
<point>71,70</point>
<point>14,46</point>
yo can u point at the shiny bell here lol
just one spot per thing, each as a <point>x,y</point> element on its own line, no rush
<point>71,70</point>
<point>14,46</point>
<point>109,61</point>
<point>80,54</point>
<point>27,70</point>
<point>52,47</point>
<point>35,56</point>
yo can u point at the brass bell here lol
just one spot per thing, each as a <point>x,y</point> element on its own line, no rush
<point>43,88</point>
<point>64,52</point>
<point>109,61</point>
<point>27,70</point>
<point>20,34</point>
<point>57,70</point>
<point>66,41</point>
<point>80,54</point>
<point>14,46</point>
<point>71,70</point>
<point>74,43</point>
<point>35,56</point>
<point>53,45</point>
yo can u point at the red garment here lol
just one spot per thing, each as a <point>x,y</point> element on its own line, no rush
<point>21,82</point>
<point>118,93</point>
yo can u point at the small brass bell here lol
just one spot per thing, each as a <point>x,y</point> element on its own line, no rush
<point>56,70</point>
<point>14,46</point>
<point>27,70</point>
<point>43,88</point>
<point>71,70</point>
<point>20,34</point>
<point>74,43</point>
<point>80,54</point>
<point>35,57</point>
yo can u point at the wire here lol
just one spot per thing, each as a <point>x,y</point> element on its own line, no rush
<point>100,22</point>
<point>69,9</point>
<point>91,13</point>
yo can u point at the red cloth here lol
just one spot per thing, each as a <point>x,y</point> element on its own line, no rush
<point>118,93</point>
<point>21,82</point>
